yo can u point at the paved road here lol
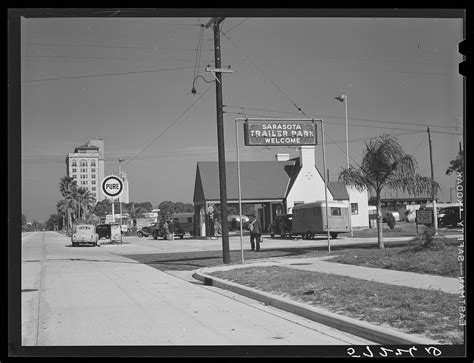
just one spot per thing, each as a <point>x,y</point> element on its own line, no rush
<point>94,296</point>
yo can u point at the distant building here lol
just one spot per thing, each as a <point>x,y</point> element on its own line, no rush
<point>273,187</point>
<point>124,198</point>
<point>86,166</point>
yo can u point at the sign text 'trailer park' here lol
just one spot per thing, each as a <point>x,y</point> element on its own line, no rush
<point>279,133</point>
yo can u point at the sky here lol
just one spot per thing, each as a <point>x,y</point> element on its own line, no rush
<point>129,80</point>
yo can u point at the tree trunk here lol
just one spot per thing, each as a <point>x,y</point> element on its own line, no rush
<point>379,223</point>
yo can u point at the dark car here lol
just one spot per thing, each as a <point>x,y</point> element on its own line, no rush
<point>450,216</point>
<point>103,230</point>
<point>146,231</point>
<point>155,230</point>
<point>281,225</point>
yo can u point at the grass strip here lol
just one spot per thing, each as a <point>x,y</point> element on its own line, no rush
<point>432,314</point>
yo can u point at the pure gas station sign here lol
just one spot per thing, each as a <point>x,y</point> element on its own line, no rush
<point>112,186</point>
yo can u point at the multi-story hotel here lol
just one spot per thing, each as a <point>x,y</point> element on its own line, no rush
<point>86,166</point>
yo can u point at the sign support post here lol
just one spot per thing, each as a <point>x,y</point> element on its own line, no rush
<point>112,187</point>
<point>240,191</point>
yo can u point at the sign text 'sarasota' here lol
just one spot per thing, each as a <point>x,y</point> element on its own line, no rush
<point>278,133</point>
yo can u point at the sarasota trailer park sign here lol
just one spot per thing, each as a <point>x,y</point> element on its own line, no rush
<point>280,132</point>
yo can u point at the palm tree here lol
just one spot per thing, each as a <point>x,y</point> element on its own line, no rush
<point>385,164</point>
<point>62,211</point>
<point>85,201</point>
<point>68,187</point>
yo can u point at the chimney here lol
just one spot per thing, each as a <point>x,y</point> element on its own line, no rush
<point>307,157</point>
<point>282,157</point>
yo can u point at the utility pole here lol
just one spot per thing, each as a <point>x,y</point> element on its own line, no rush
<point>435,214</point>
<point>215,22</point>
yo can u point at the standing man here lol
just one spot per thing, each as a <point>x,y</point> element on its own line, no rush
<point>166,231</point>
<point>255,233</point>
<point>171,229</point>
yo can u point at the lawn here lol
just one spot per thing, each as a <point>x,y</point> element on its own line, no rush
<point>414,311</point>
<point>402,229</point>
<point>441,262</point>
<point>401,257</point>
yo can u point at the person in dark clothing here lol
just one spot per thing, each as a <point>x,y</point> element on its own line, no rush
<point>255,234</point>
<point>171,228</point>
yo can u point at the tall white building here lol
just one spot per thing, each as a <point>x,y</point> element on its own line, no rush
<point>86,166</point>
<point>124,198</point>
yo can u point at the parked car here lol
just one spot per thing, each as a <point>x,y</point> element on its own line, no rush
<point>146,230</point>
<point>450,216</point>
<point>84,233</point>
<point>385,215</point>
<point>234,222</point>
<point>281,225</point>
<point>103,230</point>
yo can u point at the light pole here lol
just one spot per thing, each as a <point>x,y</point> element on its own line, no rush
<point>343,98</point>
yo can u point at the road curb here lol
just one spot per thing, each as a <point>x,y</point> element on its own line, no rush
<point>359,328</point>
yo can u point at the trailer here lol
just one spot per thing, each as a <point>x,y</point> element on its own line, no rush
<point>184,224</point>
<point>309,219</point>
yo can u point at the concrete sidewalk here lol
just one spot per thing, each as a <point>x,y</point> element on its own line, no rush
<point>392,277</point>
<point>353,326</point>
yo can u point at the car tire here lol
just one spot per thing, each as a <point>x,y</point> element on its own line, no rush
<point>140,234</point>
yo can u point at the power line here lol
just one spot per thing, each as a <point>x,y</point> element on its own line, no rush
<point>109,46</point>
<point>352,125</point>
<point>120,21</point>
<point>180,153</point>
<point>235,26</point>
<point>114,58</point>
<point>106,74</point>
<point>352,118</point>
<point>170,125</point>
<point>292,102</point>
<point>421,141</point>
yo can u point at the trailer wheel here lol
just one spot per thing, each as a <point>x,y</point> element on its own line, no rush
<point>333,235</point>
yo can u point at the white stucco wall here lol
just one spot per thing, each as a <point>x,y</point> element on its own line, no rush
<point>309,185</point>
<point>360,220</point>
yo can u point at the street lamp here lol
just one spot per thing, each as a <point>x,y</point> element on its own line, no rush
<point>343,98</point>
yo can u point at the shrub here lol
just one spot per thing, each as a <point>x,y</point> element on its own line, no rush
<point>428,240</point>
<point>391,221</point>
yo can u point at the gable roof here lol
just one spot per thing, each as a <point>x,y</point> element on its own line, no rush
<point>338,190</point>
<point>260,180</point>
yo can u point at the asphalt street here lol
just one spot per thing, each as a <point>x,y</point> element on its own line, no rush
<point>93,296</point>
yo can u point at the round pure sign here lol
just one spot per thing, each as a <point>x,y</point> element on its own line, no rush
<point>112,186</point>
